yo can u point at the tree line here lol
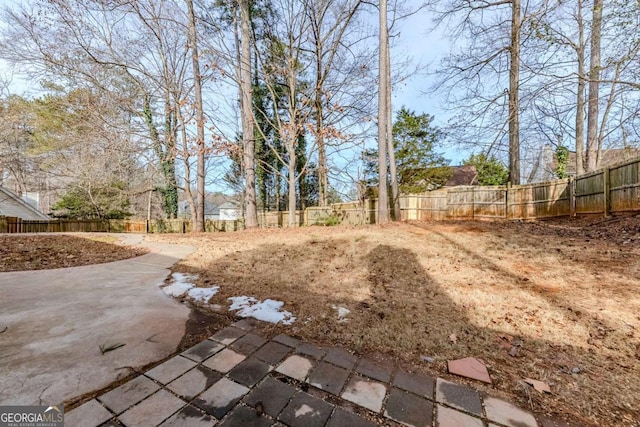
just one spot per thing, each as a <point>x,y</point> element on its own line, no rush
<point>148,98</point>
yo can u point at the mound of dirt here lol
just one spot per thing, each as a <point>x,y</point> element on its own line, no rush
<point>19,252</point>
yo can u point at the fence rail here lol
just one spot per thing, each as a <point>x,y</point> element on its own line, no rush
<point>615,189</point>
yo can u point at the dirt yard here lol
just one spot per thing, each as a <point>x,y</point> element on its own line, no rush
<point>561,296</point>
<point>39,252</point>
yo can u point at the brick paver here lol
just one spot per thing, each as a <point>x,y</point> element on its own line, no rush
<point>238,378</point>
<point>296,367</point>
<point>368,394</point>
<point>152,411</point>
<point>342,418</point>
<point>248,344</point>
<point>90,414</point>
<point>203,351</point>
<point>228,335</point>
<point>246,324</point>
<point>249,372</point>
<point>128,394</point>
<point>272,353</point>
<point>508,414</point>
<point>194,382</point>
<point>171,369</point>
<point>311,350</point>
<point>458,396</point>
<point>341,357</point>
<point>328,377</point>
<point>224,361</point>
<point>417,383</point>
<point>189,416</point>
<point>306,410</point>
<point>447,417</point>
<point>287,340</point>
<point>243,416</point>
<point>374,370</point>
<point>408,409</point>
<point>220,397</point>
<point>272,395</point>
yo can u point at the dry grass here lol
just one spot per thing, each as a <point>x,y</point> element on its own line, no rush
<point>572,301</point>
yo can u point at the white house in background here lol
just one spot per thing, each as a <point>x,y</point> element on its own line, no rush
<point>12,205</point>
<point>229,211</point>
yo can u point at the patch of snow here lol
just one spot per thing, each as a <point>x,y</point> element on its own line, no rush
<point>202,294</point>
<point>342,313</point>
<point>238,303</point>
<point>181,283</point>
<point>267,310</point>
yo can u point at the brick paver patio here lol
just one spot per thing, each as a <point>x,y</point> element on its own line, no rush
<point>239,378</point>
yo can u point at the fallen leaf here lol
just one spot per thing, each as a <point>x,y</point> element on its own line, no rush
<point>453,338</point>
<point>515,351</point>
<point>540,386</point>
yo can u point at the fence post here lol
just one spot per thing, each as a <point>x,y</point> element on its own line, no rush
<point>506,201</point>
<point>473,203</point>
<point>572,196</point>
<point>607,192</point>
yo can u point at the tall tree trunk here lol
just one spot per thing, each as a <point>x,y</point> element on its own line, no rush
<point>580,100</point>
<point>323,180</point>
<point>514,83</point>
<point>248,136</point>
<point>187,166</point>
<point>291,180</point>
<point>594,86</point>
<point>383,199</point>
<point>197,87</point>
<point>395,192</point>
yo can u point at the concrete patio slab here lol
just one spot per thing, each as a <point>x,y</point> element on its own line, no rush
<point>58,319</point>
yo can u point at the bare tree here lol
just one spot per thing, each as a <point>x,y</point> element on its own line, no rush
<point>594,86</point>
<point>331,23</point>
<point>248,131</point>
<point>514,84</point>
<point>383,114</point>
<point>283,64</point>
<point>197,86</point>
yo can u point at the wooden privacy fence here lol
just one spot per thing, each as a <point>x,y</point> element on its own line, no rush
<point>611,190</point>
<point>18,225</point>
<point>615,189</point>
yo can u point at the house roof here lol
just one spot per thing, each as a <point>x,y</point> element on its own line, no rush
<point>12,205</point>
<point>229,205</point>
<point>609,158</point>
<point>463,175</point>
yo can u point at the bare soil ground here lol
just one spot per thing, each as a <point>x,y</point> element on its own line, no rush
<point>566,290</point>
<point>39,252</point>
